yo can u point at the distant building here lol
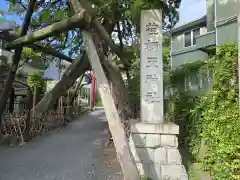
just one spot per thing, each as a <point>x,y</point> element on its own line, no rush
<point>191,41</point>
<point>20,87</point>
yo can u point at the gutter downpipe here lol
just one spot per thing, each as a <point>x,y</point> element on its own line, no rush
<point>238,30</point>
<point>171,68</point>
<point>215,22</point>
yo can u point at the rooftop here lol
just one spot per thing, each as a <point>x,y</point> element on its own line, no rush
<point>182,27</point>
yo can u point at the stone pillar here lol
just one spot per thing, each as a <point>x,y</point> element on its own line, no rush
<point>153,143</point>
<point>151,67</point>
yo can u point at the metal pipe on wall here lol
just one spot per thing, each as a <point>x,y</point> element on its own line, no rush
<point>238,30</point>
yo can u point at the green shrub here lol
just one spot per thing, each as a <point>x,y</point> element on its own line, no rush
<point>220,116</point>
<point>214,117</point>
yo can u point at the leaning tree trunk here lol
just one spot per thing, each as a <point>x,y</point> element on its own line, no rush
<point>118,88</point>
<point>16,58</point>
<point>11,101</point>
<point>26,133</point>
<point>103,41</point>
<point>119,93</point>
<point>116,127</point>
<point>69,77</point>
<point>104,31</point>
<point>121,100</point>
<point>75,93</point>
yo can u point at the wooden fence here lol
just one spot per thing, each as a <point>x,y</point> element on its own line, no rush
<point>19,123</point>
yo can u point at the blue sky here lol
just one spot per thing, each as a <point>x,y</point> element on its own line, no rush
<point>191,10</point>
<point>4,6</point>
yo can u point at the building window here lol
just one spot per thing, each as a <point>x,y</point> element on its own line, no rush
<point>190,37</point>
<point>2,44</point>
<point>196,32</point>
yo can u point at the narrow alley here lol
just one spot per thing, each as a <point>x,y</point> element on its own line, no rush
<point>72,153</point>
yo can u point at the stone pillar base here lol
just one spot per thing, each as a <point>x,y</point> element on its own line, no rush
<point>155,151</point>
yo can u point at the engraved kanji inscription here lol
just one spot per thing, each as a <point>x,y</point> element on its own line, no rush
<point>152,62</point>
<point>152,97</point>
<point>152,28</point>
<point>151,78</point>
<point>151,46</point>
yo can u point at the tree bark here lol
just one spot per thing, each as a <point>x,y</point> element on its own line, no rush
<point>26,133</point>
<point>104,32</point>
<point>116,127</point>
<point>11,101</point>
<point>81,19</point>
<point>119,91</point>
<point>74,95</point>
<point>16,58</point>
<point>69,77</point>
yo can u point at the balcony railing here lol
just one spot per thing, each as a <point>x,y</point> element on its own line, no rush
<point>206,40</point>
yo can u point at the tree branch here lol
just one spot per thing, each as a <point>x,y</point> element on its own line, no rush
<point>50,51</point>
<point>23,63</point>
<point>10,36</point>
<point>103,33</point>
<point>81,19</point>
<point>79,85</point>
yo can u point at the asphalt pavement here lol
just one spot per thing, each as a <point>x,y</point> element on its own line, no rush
<point>74,152</point>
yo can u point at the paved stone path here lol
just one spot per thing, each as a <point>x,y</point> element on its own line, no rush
<point>71,153</point>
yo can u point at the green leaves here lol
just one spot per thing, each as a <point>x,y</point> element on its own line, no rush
<point>169,10</point>
<point>29,53</point>
<point>44,15</point>
<point>221,116</point>
<point>36,80</point>
<point>215,117</point>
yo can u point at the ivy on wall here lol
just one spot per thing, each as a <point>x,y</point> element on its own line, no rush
<point>220,116</point>
<point>187,69</point>
<point>211,122</point>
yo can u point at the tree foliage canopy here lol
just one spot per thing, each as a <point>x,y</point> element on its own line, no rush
<point>124,13</point>
<point>121,20</point>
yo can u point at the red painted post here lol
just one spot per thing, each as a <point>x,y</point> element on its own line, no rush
<point>92,99</point>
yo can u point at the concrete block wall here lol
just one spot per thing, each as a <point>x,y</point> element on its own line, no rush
<point>155,150</point>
